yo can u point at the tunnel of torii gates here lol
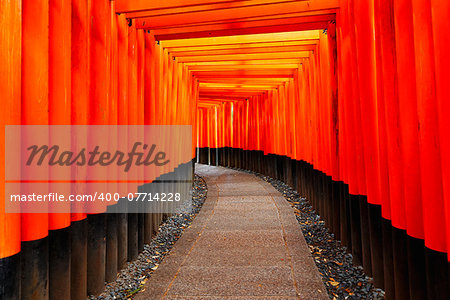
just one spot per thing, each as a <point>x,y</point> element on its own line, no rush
<point>346,101</point>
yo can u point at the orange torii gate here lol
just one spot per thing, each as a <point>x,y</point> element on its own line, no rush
<point>344,100</point>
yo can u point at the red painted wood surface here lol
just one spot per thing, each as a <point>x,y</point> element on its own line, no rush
<point>11,14</point>
<point>365,101</point>
<point>35,49</point>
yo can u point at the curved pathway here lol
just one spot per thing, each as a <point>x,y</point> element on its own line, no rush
<point>244,244</point>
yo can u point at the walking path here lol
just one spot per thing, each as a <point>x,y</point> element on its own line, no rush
<point>244,244</point>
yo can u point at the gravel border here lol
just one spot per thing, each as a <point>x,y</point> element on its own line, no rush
<point>132,278</point>
<point>342,279</point>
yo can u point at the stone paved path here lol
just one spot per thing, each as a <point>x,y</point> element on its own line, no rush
<point>244,244</point>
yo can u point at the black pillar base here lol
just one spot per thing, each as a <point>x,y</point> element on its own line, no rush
<point>111,246</point>
<point>388,259</point>
<point>376,244</point>
<point>365,236</point>
<point>356,229</point>
<point>437,274</point>
<point>10,277</point>
<point>417,268</point>
<point>96,253</point>
<point>34,269</point>
<point>59,263</point>
<point>78,260</point>
<point>122,239</point>
<point>400,260</point>
<point>345,227</point>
